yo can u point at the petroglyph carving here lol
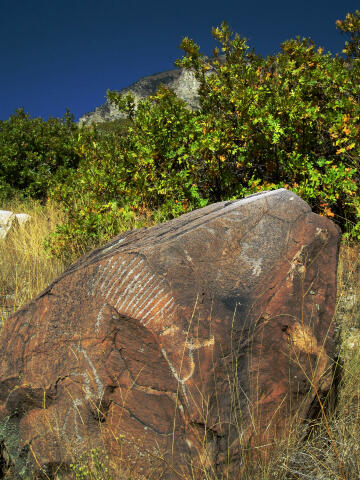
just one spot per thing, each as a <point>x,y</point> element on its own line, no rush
<point>133,289</point>
<point>147,331</point>
<point>297,266</point>
<point>74,424</point>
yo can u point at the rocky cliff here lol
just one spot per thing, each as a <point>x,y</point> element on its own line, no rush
<point>182,81</point>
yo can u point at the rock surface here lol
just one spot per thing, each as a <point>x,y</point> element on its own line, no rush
<point>182,81</point>
<point>174,347</point>
<point>9,220</point>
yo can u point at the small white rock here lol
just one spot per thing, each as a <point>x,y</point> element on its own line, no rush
<point>9,219</point>
<point>6,220</point>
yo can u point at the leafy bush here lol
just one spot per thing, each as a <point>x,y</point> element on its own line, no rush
<point>290,120</point>
<point>126,181</point>
<point>35,153</point>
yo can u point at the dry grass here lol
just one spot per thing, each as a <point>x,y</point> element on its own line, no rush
<point>316,458</point>
<point>25,268</point>
<point>329,451</point>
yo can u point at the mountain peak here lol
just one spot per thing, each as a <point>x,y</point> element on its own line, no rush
<point>182,81</point>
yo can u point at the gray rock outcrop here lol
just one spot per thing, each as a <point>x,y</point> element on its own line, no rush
<point>182,81</point>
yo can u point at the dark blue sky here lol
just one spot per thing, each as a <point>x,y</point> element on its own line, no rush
<point>65,53</point>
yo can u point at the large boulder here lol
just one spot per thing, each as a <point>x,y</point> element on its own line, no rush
<point>176,348</point>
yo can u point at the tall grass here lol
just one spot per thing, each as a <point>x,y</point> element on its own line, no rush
<point>25,267</point>
<point>328,449</point>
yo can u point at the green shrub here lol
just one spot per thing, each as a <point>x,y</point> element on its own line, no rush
<point>125,181</point>
<point>290,120</point>
<point>35,153</point>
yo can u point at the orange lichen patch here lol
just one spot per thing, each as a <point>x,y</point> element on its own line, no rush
<point>303,338</point>
<point>172,330</point>
<point>195,344</point>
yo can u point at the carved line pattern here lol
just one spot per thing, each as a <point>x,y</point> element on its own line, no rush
<point>134,290</point>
